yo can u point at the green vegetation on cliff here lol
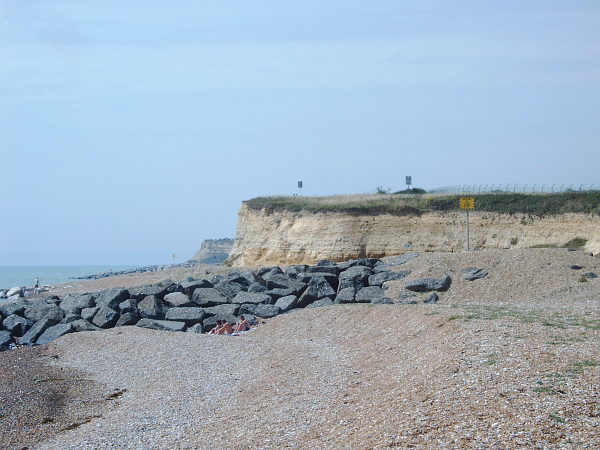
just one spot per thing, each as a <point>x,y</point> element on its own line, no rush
<point>403,204</point>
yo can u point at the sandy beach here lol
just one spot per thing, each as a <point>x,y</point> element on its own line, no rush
<point>511,360</point>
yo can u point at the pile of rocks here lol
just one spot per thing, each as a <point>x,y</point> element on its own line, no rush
<point>196,305</point>
<point>97,276</point>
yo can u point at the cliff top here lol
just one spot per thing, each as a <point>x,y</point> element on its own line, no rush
<point>407,204</point>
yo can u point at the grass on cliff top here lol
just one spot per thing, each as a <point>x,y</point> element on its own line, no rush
<point>406,204</point>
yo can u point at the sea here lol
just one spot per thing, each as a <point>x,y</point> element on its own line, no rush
<point>12,276</point>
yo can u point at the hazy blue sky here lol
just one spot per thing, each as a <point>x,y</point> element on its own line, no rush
<point>130,130</point>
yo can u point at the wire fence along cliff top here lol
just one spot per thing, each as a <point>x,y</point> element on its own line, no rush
<point>515,188</point>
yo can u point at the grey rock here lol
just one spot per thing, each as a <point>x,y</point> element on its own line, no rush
<point>198,328</point>
<point>406,302</point>
<point>369,294</point>
<point>208,297</point>
<point>292,271</point>
<point>355,277</point>
<point>224,310</point>
<point>162,325</point>
<point>84,325</point>
<point>379,278</point>
<point>287,303</point>
<point>432,298</point>
<point>332,269</point>
<point>128,318</point>
<point>308,277</point>
<point>17,325</point>
<point>128,305</point>
<point>474,273</point>
<point>159,290</point>
<point>16,291</point>
<point>590,275</point>
<point>41,310</point>
<point>278,293</point>
<point>323,302</point>
<point>247,308</point>
<point>177,299</point>
<point>77,302</point>
<point>267,311</point>
<point>89,313</point>
<point>188,287</point>
<point>189,315</point>
<point>54,332</point>
<point>575,267</point>
<point>36,331</point>
<point>229,289</point>
<point>248,297</point>
<point>17,308</point>
<point>105,317</point>
<point>319,288</point>
<point>111,297</point>
<point>281,281</point>
<point>257,287</point>
<point>346,295</point>
<point>71,317</point>
<point>430,284</point>
<point>6,340</point>
<point>151,307</point>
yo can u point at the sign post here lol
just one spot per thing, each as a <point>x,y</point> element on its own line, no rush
<point>408,181</point>
<point>467,203</point>
<point>300,187</point>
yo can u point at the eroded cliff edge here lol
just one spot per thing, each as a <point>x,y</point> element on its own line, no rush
<point>267,237</point>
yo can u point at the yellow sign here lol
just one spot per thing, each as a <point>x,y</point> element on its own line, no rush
<point>467,202</point>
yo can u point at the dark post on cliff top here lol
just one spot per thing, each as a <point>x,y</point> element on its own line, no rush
<point>408,182</point>
<point>300,187</point>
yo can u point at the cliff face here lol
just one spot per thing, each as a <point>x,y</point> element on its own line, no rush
<point>214,251</point>
<point>284,237</point>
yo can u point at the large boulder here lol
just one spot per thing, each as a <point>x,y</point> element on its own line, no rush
<point>281,281</point>
<point>84,325</point>
<point>105,317</point>
<point>257,287</point>
<point>151,307</point>
<point>197,328</point>
<point>318,288</point>
<point>278,293</point>
<point>229,289</point>
<point>224,310</point>
<point>189,315</point>
<point>474,273</point>
<point>370,294</point>
<point>141,292</point>
<point>208,297</point>
<point>36,331</point>
<point>292,271</point>
<point>89,313</point>
<point>188,287</point>
<point>267,311</point>
<point>346,295</point>
<point>18,308</point>
<point>73,302</point>
<point>128,318</point>
<point>55,332</point>
<point>381,277</point>
<point>128,305</point>
<point>111,297</point>
<point>307,277</point>
<point>430,284</point>
<point>17,325</point>
<point>249,297</point>
<point>322,268</point>
<point>356,277</point>
<point>14,292</point>
<point>41,310</point>
<point>177,299</point>
<point>248,308</point>
<point>162,325</point>
<point>6,340</point>
<point>287,303</point>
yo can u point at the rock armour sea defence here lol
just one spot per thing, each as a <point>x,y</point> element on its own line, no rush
<point>282,237</point>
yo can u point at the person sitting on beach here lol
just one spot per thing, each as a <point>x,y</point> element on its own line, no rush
<point>217,327</point>
<point>242,325</point>
<point>226,328</point>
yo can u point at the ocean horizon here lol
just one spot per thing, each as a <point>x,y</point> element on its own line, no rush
<point>13,276</point>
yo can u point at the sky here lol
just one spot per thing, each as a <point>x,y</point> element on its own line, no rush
<point>130,131</point>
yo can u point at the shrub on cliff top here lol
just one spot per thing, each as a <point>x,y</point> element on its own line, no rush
<point>406,204</point>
